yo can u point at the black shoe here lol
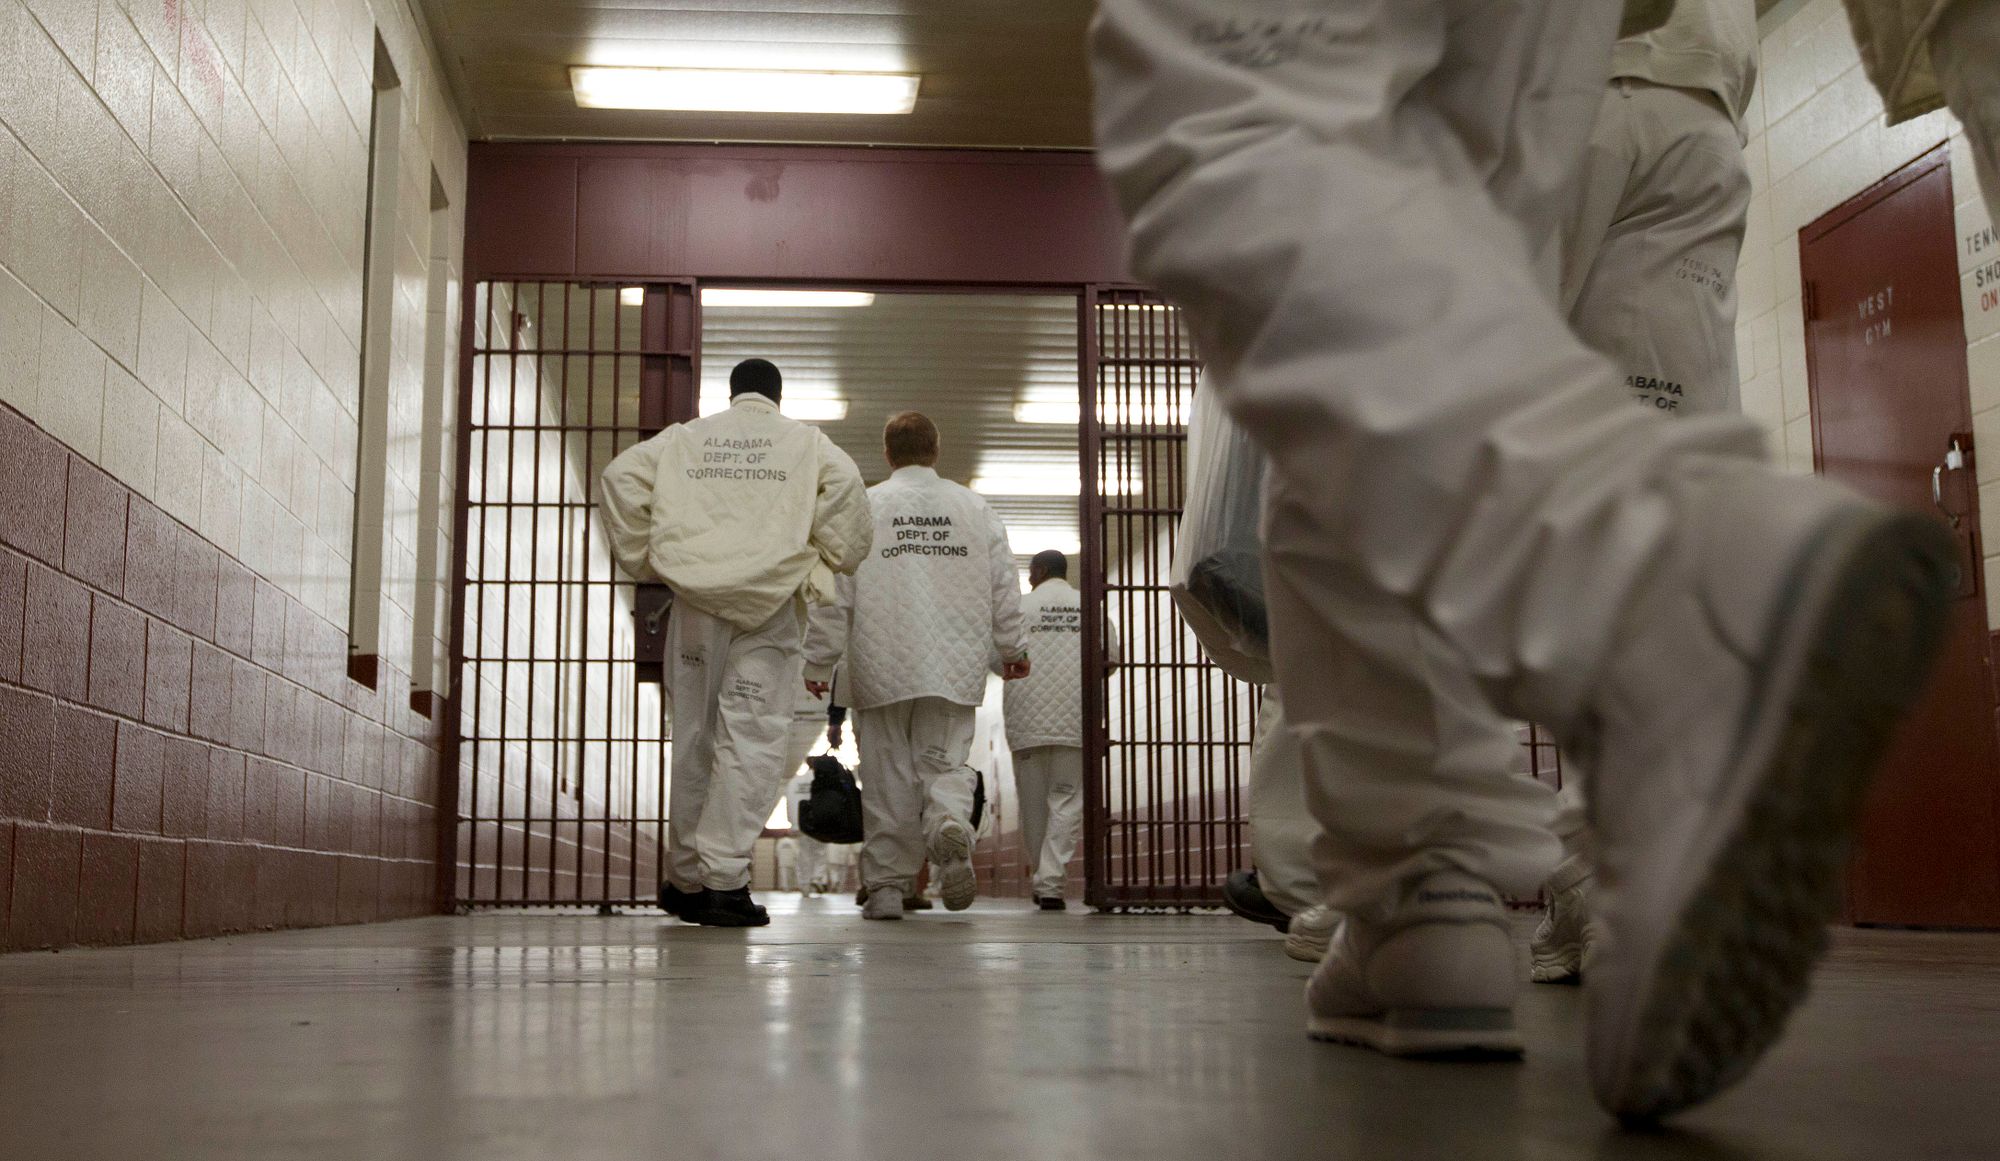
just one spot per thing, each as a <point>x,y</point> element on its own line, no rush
<point>1050,903</point>
<point>1241,894</point>
<point>681,904</point>
<point>729,909</point>
<point>915,902</point>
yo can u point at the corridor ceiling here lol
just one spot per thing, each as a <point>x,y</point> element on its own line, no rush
<point>996,73</point>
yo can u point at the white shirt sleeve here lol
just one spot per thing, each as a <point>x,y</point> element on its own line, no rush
<point>827,629</point>
<point>627,504</point>
<point>843,523</point>
<point>1007,636</point>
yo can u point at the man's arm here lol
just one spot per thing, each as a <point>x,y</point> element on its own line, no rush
<point>1006,600</point>
<point>1114,647</point>
<point>843,524</point>
<point>627,503</point>
<point>827,629</point>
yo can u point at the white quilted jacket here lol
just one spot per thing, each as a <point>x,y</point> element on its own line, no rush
<point>1045,708</point>
<point>739,512</point>
<point>936,597</point>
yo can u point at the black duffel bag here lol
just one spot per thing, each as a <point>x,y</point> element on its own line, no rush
<point>833,813</point>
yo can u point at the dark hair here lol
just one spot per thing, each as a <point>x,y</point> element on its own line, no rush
<point>910,438</point>
<point>1051,563</point>
<point>758,375</point>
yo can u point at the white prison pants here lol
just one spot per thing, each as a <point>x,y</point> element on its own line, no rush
<point>1650,257</point>
<point>804,735</point>
<point>1282,832</point>
<point>1965,50</point>
<point>913,780</point>
<point>1357,203</point>
<point>1049,782</point>
<point>731,694</point>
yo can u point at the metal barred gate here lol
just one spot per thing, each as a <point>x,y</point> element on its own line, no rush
<point>1168,749</point>
<point>561,762</point>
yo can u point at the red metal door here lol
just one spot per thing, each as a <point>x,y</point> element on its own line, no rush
<point>562,753</point>
<point>1885,345</point>
<point>1168,753</point>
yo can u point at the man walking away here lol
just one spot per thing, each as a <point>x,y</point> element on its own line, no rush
<point>1044,713</point>
<point>747,515</point>
<point>935,599</point>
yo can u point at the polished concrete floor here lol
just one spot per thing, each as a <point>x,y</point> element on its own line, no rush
<point>994,1034</point>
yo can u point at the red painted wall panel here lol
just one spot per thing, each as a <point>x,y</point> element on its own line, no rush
<point>161,706</point>
<point>790,213</point>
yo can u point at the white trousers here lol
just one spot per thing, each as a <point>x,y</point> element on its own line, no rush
<point>1358,205</point>
<point>913,780</point>
<point>799,742</point>
<point>1282,831</point>
<point>731,694</point>
<point>1049,782</point>
<point>1650,256</point>
<point>1965,50</point>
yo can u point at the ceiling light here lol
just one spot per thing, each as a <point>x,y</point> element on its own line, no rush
<point>720,296</point>
<point>742,90</point>
<point>804,408</point>
<point>633,296</point>
<point>1029,540</point>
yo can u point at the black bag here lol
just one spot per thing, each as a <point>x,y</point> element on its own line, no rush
<point>978,799</point>
<point>833,813</point>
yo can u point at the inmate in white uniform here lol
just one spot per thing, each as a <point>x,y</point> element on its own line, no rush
<point>925,612</point>
<point>1044,713</point>
<point>1650,257</point>
<point>746,514</point>
<point>1359,204</point>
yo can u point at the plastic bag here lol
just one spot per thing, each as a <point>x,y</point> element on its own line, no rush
<point>833,813</point>
<point>1217,576</point>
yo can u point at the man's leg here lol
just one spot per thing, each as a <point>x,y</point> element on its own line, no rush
<point>1065,819</point>
<point>696,648</point>
<point>892,798</point>
<point>1282,831</point>
<point>1965,49</point>
<point>1031,792</point>
<point>1352,202</point>
<point>762,672</point>
<point>941,739</point>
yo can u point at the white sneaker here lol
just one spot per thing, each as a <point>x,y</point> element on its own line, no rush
<point>1563,941</point>
<point>1309,933</point>
<point>1758,673</point>
<point>1435,979</point>
<point>951,858</point>
<point>883,903</point>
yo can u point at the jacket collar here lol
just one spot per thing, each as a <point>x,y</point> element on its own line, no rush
<point>914,472</point>
<point>752,399</point>
<point>1054,580</point>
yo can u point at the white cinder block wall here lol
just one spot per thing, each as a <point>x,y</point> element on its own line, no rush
<point>1818,137</point>
<point>183,188</point>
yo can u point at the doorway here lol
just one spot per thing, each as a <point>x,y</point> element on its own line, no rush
<point>1891,416</point>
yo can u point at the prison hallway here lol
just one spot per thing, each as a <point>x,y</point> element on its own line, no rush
<point>997,1033</point>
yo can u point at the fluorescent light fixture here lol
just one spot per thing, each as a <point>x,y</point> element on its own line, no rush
<point>804,408</point>
<point>1141,413</point>
<point>742,90</point>
<point>1028,540</point>
<point>722,296</point>
<point>633,296</point>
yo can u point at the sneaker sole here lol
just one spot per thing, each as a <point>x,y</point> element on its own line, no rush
<point>1564,966</point>
<point>1739,958</point>
<point>957,883</point>
<point>1306,951</point>
<point>1427,1033</point>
